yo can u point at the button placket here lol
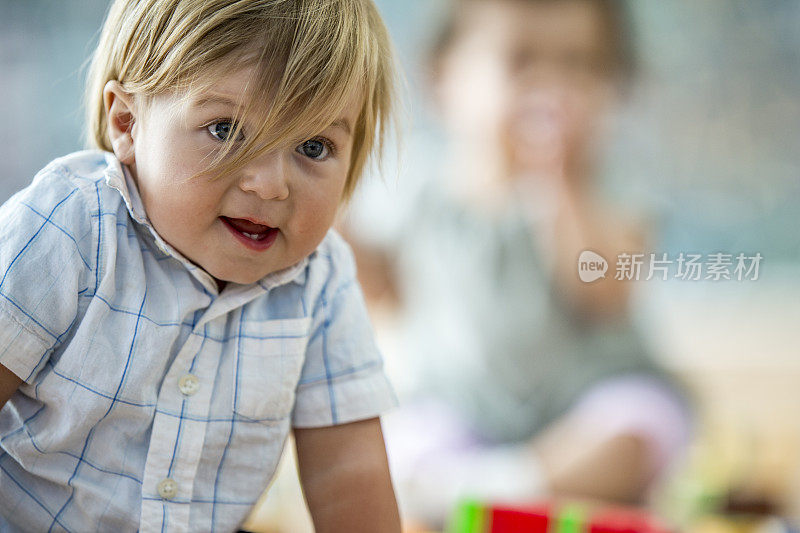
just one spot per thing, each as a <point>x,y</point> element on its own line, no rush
<point>166,429</point>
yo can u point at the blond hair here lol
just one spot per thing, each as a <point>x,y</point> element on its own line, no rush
<point>311,57</point>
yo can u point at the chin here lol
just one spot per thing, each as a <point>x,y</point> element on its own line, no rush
<point>233,276</point>
<point>241,279</point>
<point>245,273</point>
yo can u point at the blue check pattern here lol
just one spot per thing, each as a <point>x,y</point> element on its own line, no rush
<point>150,400</point>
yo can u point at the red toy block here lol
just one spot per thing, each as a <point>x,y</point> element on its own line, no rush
<point>517,519</point>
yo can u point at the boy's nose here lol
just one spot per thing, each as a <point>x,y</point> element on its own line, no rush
<point>266,176</point>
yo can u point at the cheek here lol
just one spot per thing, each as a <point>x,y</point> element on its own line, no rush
<point>177,204</point>
<point>315,211</point>
<point>167,151</point>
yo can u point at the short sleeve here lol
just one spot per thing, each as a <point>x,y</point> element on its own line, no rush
<point>46,262</point>
<point>342,378</point>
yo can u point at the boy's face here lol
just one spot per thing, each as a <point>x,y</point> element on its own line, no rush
<point>263,217</point>
<point>530,77</point>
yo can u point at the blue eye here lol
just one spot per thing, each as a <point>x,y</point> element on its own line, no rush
<point>222,130</point>
<point>314,149</point>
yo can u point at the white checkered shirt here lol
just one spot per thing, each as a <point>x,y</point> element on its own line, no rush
<point>151,401</point>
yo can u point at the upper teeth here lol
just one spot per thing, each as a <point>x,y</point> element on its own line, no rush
<point>253,236</point>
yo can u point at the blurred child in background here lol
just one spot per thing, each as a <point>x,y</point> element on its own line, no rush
<point>527,381</point>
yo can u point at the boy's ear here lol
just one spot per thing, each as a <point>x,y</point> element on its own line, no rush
<point>121,117</point>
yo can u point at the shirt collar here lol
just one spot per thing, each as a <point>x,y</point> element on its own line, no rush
<point>119,178</point>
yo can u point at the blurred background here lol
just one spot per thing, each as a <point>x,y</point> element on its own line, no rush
<point>680,138</point>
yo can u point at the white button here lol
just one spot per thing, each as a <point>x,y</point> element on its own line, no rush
<point>168,488</point>
<point>189,384</point>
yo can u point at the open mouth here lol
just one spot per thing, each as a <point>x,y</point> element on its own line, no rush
<point>254,236</point>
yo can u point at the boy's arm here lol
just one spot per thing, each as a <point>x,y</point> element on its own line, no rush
<point>345,477</point>
<point>9,383</point>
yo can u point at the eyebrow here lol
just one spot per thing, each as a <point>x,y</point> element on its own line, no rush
<point>214,99</point>
<point>342,124</point>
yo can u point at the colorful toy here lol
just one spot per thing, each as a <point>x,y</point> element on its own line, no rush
<point>475,517</point>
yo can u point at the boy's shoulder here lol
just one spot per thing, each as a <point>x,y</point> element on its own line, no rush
<point>66,190</point>
<point>66,198</point>
<point>81,175</point>
<point>83,164</point>
<point>80,169</point>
